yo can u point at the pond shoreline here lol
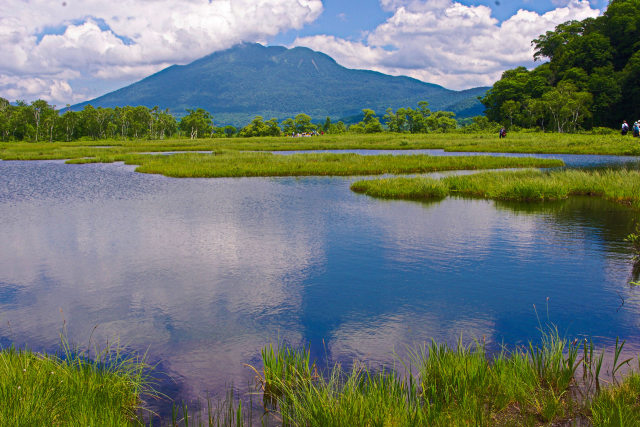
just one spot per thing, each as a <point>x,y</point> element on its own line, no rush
<point>551,382</point>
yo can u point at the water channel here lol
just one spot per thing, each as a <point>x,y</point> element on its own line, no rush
<point>202,273</point>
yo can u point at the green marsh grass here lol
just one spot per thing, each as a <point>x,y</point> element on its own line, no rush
<point>634,239</point>
<point>71,389</point>
<point>516,142</point>
<point>226,412</point>
<point>437,385</point>
<point>619,405</point>
<point>622,186</point>
<point>460,385</point>
<point>255,164</point>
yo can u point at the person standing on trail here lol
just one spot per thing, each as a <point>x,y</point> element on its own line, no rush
<point>625,127</point>
<point>503,133</point>
<point>636,129</point>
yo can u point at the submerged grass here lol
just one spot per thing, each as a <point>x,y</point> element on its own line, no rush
<point>40,389</point>
<point>622,186</point>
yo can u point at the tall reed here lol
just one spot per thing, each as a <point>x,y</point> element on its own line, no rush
<point>459,385</point>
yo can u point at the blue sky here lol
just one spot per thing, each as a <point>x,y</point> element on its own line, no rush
<point>349,19</point>
<point>70,51</point>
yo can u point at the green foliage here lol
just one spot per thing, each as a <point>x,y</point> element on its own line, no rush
<point>303,123</point>
<point>420,120</point>
<point>197,122</point>
<point>41,122</point>
<point>369,124</point>
<point>288,127</point>
<point>258,127</point>
<point>229,131</point>
<point>480,124</point>
<point>592,79</point>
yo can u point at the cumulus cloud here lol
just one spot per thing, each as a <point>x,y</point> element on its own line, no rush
<point>445,42</point>
<point>46,48</point>
<point>42,41</point>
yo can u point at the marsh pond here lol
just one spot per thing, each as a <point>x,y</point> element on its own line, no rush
<point>202,273</point>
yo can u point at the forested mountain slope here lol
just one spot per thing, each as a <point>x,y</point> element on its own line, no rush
<point>250,79</point>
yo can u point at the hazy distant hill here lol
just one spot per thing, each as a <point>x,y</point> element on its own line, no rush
<point>250,79</point>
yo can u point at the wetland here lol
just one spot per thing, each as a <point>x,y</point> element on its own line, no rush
<point>201,274</point>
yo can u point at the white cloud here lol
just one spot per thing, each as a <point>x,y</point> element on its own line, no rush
<point>42,41</point>
<point>50,89</point>
<point>45,48</point>
<point>445,42</point>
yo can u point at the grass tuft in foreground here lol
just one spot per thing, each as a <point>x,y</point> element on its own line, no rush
<point>40,389</point>
<point>461,385</point>
<point>555,382</point>
<point>622,186</point>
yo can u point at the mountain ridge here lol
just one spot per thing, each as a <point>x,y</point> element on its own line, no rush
<point>247,80</point>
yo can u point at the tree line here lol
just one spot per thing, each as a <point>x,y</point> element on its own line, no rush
<point>40,122</point>
<point>591,79</point>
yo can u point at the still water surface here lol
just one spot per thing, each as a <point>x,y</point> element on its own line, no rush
<point>203,273</point>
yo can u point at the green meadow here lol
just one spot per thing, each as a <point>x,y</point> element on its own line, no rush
<point>516,142</point>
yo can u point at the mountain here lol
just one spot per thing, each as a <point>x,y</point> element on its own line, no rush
<point>247,80</point>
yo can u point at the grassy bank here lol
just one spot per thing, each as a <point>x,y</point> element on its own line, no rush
<point>553,383</point>
<point>620,186</point>
<point>245,164</point>
<point>38,389</point>
<point>525,142</point>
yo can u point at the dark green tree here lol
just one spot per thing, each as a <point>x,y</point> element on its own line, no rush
<point>197,123</point>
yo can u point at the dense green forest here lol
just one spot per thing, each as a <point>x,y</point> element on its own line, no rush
<point>592,77</point>
<point>40,122</point>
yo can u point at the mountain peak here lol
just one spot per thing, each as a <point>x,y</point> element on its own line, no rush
<point>250,79</point>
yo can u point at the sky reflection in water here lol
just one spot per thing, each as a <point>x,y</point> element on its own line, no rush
<point>204,272</point>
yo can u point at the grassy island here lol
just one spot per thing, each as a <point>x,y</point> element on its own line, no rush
<point>246,164</point>
<point>622,186</point>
